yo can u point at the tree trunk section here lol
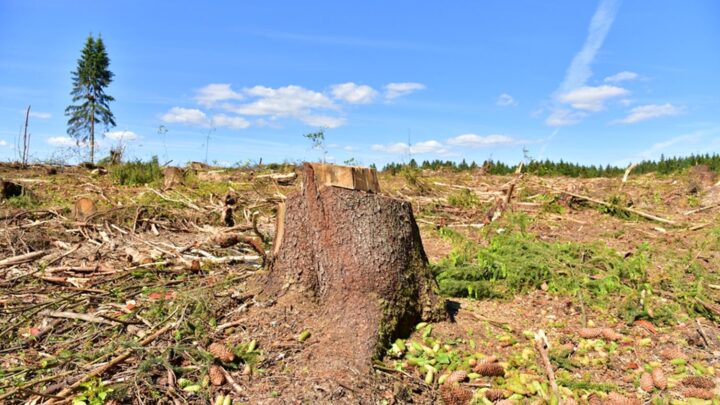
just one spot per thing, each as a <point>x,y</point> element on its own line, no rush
<point>357,257</point>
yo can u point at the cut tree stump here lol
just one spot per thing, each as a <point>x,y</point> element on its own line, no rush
<point>357,259</point>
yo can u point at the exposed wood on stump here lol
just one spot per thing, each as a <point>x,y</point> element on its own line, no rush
<point>357,256</point>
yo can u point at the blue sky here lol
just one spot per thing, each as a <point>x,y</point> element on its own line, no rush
<point>606,81</point>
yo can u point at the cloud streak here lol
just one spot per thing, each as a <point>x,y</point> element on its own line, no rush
<point>579,71</point>
<point>650,111</point>
<point>573,89</point>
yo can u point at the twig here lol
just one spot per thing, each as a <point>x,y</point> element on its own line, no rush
<point>238,389</point>
<point>701,209</point>
<point>82,317</point>
<point>541,345</point>
<point>27,257</point>
<point>120,358</point>
<point>627,209</point>
<point>166,198</point>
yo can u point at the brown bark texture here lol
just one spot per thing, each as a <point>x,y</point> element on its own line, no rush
<point>358,257</point>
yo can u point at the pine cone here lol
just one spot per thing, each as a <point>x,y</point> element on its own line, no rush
<point>569,401</point>
<point>659,379</point>
<point>673,353</point>
<point>594,399</point>
<point>455,395</point>
<point>221,352</point>
<point>494,395</point>
<point>217,377</point>
<point>697,393</point>
<point>699,382</point>
<point>589,333</point>
<point>490,370</point>
<point>646,382</point>
<point>610,334</point>
<point>616,399</point>
<point>456,377</point>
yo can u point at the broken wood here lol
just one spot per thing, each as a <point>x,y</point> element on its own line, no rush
<point>281,178</point>
<point>627,209</point>
<point>27,257</point>
<point>542,346</point>
<point>121,357</point>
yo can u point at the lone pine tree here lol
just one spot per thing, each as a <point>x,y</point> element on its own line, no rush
<point>91,104</point>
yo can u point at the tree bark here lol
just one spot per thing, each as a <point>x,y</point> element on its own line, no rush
<point>358,257</point>
<point>92,135</point>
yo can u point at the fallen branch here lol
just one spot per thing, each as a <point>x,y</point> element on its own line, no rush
<point>82,317</point>
<point>185,203</point>
<point>630,210</point>
<point>120,358</point>
<point>541,345</point>
<point>701,209</point>
<point>27,257</point>
<point>238,389</point>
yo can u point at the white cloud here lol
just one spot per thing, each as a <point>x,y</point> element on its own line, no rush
<point>121,135</point>
<point>563,117</point>
<point>3,143</point>
<point>323,121</point>
<point>64,141</point>
<point>395,90</point>
<point>430,146</point>
<point>293,101</point>
<point>650,111</point>
<point>506,100</point>
<point>222,120</point>
<point>478,141</point>
<point>591,98</point>
<point>212,93</point>
<point>621,77</point>
<point>353,93</point>
<point>40,115</point>
<point>181,115</point>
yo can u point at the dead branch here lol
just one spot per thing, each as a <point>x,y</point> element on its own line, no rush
<point>541,345</point>
<point>627,209</point>
<point>185,203</point>
<point>120,358</point>
<point>82,317</point>
<point>27,257</point>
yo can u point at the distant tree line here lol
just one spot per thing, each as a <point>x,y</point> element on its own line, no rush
<point>561,168</point>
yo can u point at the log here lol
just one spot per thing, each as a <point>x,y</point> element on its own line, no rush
<point>358,258</point>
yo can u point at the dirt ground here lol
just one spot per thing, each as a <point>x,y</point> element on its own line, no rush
<point>124,303</point>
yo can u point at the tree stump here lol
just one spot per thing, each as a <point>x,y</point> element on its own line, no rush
<point>358,258</point>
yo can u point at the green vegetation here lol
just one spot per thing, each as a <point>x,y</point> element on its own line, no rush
<point>137,172</point>
<point>90,79</point>
<point>561,168</point>
<point>25,201</point>
<point>464,198</point>
<point>514,261</point>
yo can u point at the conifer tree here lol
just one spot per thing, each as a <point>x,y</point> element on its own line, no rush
<point>91,104</point>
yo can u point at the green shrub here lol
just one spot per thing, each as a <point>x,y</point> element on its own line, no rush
<point>137,172</point>
<point>464,199</point>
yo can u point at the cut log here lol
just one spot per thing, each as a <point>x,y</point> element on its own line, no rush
<point>350,177</point>
<point>358,259</point>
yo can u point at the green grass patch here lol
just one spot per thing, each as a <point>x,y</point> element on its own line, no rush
<point>514,261</point>
<point>137,172</point>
